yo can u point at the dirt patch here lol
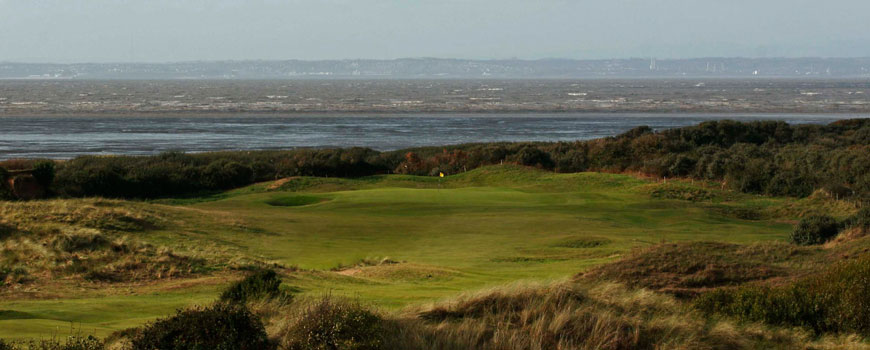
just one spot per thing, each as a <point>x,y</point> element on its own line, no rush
<point>400,273</point>
<point>280,183</point>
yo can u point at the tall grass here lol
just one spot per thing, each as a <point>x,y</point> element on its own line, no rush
<point>836,300</point>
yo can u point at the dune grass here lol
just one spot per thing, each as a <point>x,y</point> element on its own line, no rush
<point>479,229</point>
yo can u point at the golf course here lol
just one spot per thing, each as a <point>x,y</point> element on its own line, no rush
<point>724,235</point>
<point>394,241</point>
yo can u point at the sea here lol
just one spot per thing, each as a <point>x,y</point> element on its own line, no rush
<point>65,137</point>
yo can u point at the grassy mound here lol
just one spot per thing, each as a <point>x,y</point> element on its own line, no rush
<point>687,268</point>
<point>573,316</point>
<point>84,240</point>
<point>835,300</point>
<point>102,214</point>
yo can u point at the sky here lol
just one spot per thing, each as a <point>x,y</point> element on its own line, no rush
<point>67,31</point>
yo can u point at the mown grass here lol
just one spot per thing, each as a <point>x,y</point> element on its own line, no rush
<point>479,229</point>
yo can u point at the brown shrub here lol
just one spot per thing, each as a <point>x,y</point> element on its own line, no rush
<point>684,269</point>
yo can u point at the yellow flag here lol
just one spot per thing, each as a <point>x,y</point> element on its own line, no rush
<point>440,174</point>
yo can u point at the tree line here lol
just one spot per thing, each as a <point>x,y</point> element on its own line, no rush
<point>764,157</point>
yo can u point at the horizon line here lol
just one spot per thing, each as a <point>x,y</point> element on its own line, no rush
<point>438,58</point>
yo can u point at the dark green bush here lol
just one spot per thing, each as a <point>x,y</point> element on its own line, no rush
<point>533,156</point>
<point>836,300</point>
<point>44,172</point>
<point>260,284</point>
<point>815,229</point>
<point>218,327</point>
<point>332,324</point>
<point>681,165</point>
<point>860,219</point>
<point>5,194</point>
<point>223,174</point>
<point>6,230</point>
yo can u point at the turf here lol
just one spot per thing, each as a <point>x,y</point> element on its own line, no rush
<point>487,227</point>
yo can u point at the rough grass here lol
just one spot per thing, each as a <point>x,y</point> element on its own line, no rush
<point>75,342</point>
<point>84,241</point>
<point>686,269</point>
<point>836,300</point>
<point>575,316</point>
<point>102,214</point>
<point>562,315</point>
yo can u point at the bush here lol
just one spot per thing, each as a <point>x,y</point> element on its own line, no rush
<point>43,171</point>
<point>4,190</point>
<point>534,156</point>
<point>860,219</point>
<point>331,324</point>
<point>224,174</point>
<point>260,284</point>
<point>815,229</point>
<point>836,300</point>
<point>218,327</point>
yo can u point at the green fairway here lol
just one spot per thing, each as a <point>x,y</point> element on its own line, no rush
<point>475,230</point>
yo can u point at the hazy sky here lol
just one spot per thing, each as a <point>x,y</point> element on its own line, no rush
<point>181,30</point>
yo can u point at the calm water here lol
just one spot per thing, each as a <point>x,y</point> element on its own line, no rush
<point>67,137</point>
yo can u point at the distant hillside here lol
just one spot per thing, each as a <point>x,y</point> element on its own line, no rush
<point>409,68</point>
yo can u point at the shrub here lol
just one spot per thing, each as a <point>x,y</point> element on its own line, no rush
<point>680,165</point>
<point>219,327</point>
<point>332,324</point>
<point>815,229</point>
<point>260,284</point>
<point>224,174</point>
<point>43,171</point>
<point>860,219</point>
<point>4,190</point>
<point>836,300</point>
<point>533,156</point>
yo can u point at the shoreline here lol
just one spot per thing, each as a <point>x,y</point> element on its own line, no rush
<point>446,114</point>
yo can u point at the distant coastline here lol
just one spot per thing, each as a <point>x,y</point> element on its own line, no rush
<point>294,97</point>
